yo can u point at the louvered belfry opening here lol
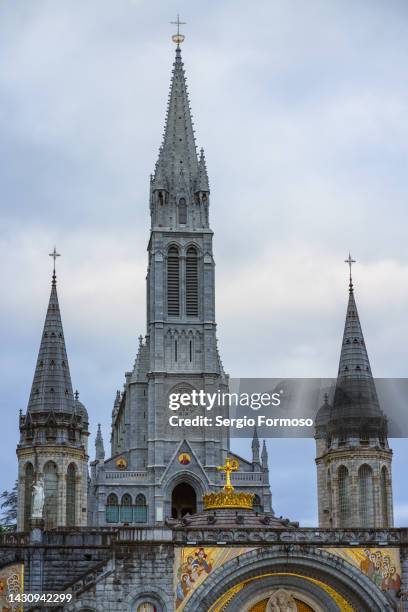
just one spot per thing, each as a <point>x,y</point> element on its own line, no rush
<point>173,282</point>
<point>191,282</point>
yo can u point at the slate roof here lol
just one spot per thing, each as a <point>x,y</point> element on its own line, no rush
<point>51,390</point>
<point>356,409</point>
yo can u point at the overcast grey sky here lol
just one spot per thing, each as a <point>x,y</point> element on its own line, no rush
<point>301,109</point>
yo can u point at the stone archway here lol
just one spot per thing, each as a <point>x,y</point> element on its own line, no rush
<point>187,477</point>
<point>183,500</point>
<point>322,575</point>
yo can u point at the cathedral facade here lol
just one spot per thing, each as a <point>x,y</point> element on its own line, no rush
<point>165,523</point>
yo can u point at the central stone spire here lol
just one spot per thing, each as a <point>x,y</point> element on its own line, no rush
<point>177,165</point>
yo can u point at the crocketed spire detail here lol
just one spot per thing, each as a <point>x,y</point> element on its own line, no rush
<point>52,388</point>
<point>99,448</point>
<point>202,183</point>
<point>178,150</point>
<point>255,446</point>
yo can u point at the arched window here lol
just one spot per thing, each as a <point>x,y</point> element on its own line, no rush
<point>28,494</point>
<point>71,495</point>
<point>384,496</point>
<point>173,282</point>
<point>182,211</point>
<point>112,509</point>
<point>344,496</point>
<point>50,495</point>
<point>140,509</point>
<point>192,282</point>
<point>126,509</point>
<point>366,496</point>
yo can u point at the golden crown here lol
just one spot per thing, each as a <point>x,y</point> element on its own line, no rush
<point>227,498</point>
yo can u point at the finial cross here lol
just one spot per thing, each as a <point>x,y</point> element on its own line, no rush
<point>231,465</point>
<point>178,38</point>
<point>350,262</point>
<point>54,255</point>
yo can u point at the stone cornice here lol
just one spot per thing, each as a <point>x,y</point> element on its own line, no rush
<point>356,453</point>
<point>184,536</point>
<point>54,449</point>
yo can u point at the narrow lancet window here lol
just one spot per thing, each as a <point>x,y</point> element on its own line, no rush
<point>182,211</point>
<point>344,496</point>
<point>71,495</point>
<point>366,496</point>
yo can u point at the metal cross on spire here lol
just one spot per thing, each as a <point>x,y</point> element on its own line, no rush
<point>54,255</point>
<point>178,38</point>
<point>350,262</point>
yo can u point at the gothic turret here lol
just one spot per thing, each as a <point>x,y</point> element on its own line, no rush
<point>99,448</point>
<point>264,457</point>
<point>53,432</point>
<point>255,448</point>
<point>353,456</point>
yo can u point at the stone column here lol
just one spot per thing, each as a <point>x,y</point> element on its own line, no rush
<point>78,501</point>
<point>354,519</point>
<point>378,519</point>
<point>389,499</point>
<point>335,498</point>
<point>21,502</point>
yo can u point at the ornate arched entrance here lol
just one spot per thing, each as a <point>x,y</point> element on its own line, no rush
<point>322,580</point>
<point>183,500</point>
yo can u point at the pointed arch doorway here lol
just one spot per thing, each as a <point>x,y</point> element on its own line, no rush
<point>183,500</point>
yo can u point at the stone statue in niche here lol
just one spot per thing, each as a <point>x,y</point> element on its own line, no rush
<point>38,499</point>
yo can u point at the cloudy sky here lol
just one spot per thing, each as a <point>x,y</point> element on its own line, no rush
<point>301,109</point>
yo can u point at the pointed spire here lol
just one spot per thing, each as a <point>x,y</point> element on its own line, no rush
<point>354,360</point>
<point>356,409</point>
<point>178,149</point>
<point>202,182</point>
<point>255,446</point>
<point>99,448</point>
<point>264,456</point>
<point>52,388</point>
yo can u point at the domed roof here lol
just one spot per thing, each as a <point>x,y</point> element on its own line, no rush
<point>229,518</point>
<point>323,414</point>
<point>81,410</point>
